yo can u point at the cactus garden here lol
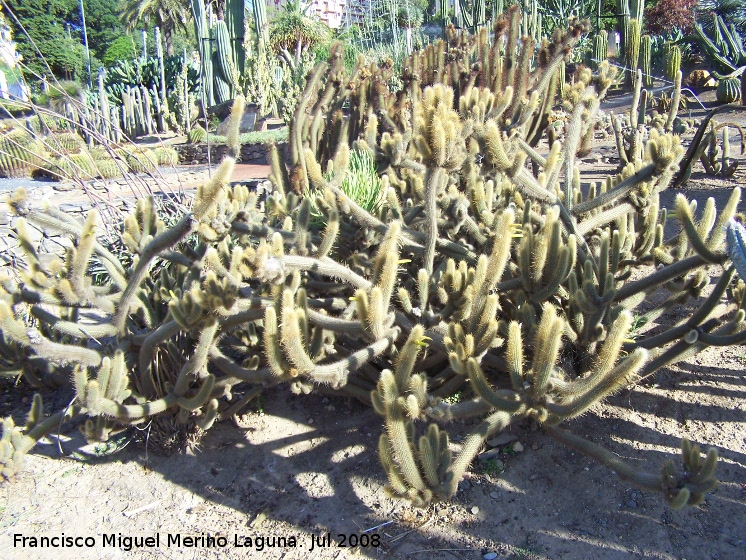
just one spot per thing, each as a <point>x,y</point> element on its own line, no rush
<point>489,300</point>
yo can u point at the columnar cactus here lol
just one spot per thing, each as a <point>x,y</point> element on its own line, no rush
<point>600,50</point>
<point>673,61</point>
<point>646,60</point>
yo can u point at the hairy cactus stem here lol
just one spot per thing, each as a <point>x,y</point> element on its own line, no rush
<point>168,238</point>
<point>196,365</point>
<point>474,441</point>
<point>701,314</point>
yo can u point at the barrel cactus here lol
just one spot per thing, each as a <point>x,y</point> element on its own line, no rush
<point>729,89</point>
<point>197,135</point>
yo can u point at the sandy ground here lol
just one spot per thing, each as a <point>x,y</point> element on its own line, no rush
<point>298,477</point>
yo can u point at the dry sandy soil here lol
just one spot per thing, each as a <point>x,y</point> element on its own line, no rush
<point>293,469</point>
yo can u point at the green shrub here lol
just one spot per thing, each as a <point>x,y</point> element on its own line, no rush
<point>122,48</point>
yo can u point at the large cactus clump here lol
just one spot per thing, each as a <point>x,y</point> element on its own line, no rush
<point>223,65</point>
<point>519,283</point>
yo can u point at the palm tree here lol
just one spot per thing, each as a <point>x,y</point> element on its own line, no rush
<point>169,15</point>
<point>293,32</point>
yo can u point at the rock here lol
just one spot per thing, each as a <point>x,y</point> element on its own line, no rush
<point>474,510</point>
<point>248,121</point>
<point>490,556</point>
<point>501,439</point>
<point>76,207</point>
<point>517,447</point>
<point>494,495</point>
<point>64,187</point>
<point>487,455</point>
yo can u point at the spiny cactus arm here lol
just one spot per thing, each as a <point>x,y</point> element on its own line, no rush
<point>195,367</point>
<point>234,124</point>
<point>410,240</point>
<point>661,276</point>
<point>51,218</point>
<point>687,489</point>
<point>15,442</point>
<point>723,339</point>
<point>686,217</point>
<point>237,373</point>
<point>336,373</point>
<point>77,330</point>
<point>696,320</point>
<point>130,412</point>
<point>327,267</point>
<point>691,344</point>
<point>547,343</point>
<point>616,123</point>
<point>49,350</point>
<point>435,181</point>
<point>331,231</point>
<point>675,101</point>
<point>471,446</point>
<point>620,376</point>
<point>443,411</point>
<point>387,401</point>
<point>202,395</point>
<point>596,221</point>
<point>692,153</point>
<point>504,400</point>
<point>619,191</point>
<point>168,238</point>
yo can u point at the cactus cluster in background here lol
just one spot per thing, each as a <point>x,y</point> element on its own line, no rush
<point>65,155</point>
<point>727,53</point>
<point>600,51</point>
<point>487,249</point>
<point>221,50</point>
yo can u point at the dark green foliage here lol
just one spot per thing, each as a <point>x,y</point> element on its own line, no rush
<point>44,20</point>
<point>121,49</point>
<point>723,46</point>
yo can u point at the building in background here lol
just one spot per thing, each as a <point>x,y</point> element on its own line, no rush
<point>339,13</point>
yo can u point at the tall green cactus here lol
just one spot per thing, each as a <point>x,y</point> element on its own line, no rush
<point>203,35</point>
<point>632,48</point>
<point>236,24</point>
<point>673,61</point>
<point>225,63</point>
<point>646,60</point>
<point>600,50</point>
